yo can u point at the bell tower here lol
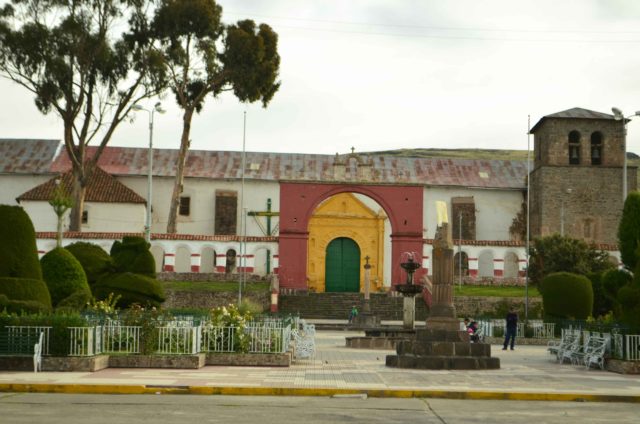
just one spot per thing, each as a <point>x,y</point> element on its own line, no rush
<point>576,181</point>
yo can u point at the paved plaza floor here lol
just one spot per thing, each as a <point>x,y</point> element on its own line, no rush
<point>526,370</point>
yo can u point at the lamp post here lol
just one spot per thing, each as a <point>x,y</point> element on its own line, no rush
<point>156,108</point>
<point>568,191</point>
<point>619,116</point>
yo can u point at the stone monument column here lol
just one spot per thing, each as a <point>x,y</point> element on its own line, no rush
<point>443,311</point>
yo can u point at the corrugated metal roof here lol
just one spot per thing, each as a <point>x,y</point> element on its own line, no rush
<point>574,113</point>
<point>385,169</point>
<point>24,156</point>
<point>101,187</point>
<point>313,167</point>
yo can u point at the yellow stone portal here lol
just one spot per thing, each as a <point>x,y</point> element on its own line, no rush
<point>343,215</point>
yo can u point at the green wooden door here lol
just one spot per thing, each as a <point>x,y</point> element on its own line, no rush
<point>342,266</point>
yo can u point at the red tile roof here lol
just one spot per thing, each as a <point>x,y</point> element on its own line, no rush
<point>102,188</point>
<point>18,156</point>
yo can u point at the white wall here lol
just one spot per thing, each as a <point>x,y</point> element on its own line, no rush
<point>102,217</point>
<point>495,209</point>
<point>12,186</point>
<point>203,196</point>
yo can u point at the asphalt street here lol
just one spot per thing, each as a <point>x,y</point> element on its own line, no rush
<point>19,408</point>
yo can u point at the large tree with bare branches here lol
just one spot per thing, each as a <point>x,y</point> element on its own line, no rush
<point>206,57</point>
<point>88,61</point>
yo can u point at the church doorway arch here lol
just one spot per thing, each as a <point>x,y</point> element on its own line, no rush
<point>402,204</point>
<point>342,266</point>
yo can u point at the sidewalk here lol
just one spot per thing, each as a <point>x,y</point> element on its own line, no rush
<point>528,373</point>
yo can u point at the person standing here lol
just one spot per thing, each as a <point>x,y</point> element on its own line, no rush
<point>512,327</point>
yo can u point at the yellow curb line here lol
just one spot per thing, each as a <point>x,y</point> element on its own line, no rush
<point>324,392</point>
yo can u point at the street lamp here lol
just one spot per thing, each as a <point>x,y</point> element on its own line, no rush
<point>568,191</point>
<point>619,116</point>
<point>156,108</point>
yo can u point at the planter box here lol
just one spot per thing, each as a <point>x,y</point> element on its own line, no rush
<point>622,367</point>
<point>157,361</point>
<point>250,359</point>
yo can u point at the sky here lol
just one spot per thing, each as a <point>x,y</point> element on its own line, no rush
<point>383,75</point>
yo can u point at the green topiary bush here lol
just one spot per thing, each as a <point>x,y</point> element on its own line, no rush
<point>629,231</point>
<point>64,277</point>
<point>94,260</point>
<point>26,290</point>
<point>18,251</point>
<point>133,288</point>
<point>132,255</point>
<point>567,296</point>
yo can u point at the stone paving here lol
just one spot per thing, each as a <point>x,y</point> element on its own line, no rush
<point>528,369</point>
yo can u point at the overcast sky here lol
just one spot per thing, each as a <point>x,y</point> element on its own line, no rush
<point>380,75</point>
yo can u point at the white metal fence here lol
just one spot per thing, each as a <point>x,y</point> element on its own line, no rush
<point>82,341</point>
<point>179,340</point>
<point>178,337</point>
<point>31,332</point>
<point>632,347</point>
<point>121,339</point>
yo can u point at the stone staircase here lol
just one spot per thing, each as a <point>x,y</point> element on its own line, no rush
<point>338,305</point>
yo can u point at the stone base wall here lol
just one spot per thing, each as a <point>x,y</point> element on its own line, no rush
<point>495,306</point>
<point>158,361</point>
<point>209,300</point>
<point>250,359</point>
<point>209,276</point>
<point>622,367</point>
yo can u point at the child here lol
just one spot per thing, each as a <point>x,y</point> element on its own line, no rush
<point>353,314</point>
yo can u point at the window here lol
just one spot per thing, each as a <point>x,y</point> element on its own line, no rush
<point>574,148</point>
<point>226,212</point>
<point>596,148</point>
<point>185,206</point>
<point>85,216</point>
<point>463,217</point>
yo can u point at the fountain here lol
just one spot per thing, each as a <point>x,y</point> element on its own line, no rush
<point>409,292</point>
<point>442,345</point>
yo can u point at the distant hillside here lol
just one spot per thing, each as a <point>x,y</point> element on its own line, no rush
<point>475,154</point>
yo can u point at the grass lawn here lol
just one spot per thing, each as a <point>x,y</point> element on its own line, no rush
<point>214,286</point>
<point>493,291</point>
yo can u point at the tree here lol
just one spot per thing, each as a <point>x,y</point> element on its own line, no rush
<point>61,203</point>
<point>629,231</point>
<point>557,253</point>
<point>79,64</point>
<point>204,57</point>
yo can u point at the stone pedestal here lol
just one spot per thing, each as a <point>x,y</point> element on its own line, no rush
<point>408,312</point>
<point>442,350</point>
<point>442,346</point>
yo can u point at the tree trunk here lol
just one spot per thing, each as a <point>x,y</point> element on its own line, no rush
<point>172,225</point>
<point>79,191</point>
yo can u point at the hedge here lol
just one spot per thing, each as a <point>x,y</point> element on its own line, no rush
<point>26,289</point>
<point>132,255</point>
<point>18,245</point>
<point>94,260</point>
<point>64,276</point>
<point>133,288</point>
<point>567,295</point>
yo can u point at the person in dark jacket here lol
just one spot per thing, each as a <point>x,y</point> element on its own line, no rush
<point>512,327</point>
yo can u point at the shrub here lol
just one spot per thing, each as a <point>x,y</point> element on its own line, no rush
<point>231,316</point>
<point>132,289</point>
<point>567,295</point>
<point>26,290</point>
<point>59,338</point>
<point>556,253</point>
<point>64,277</point>
<point>94,260</point>
<point>629,231</point>
<point>18,245</point>
<point>132,255</point>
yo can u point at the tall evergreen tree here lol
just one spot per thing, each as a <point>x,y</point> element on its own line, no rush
<point>629,231</point>
<point>88,61</point>
<point>206,57</point>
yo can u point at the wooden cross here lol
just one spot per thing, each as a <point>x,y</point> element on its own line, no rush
<point>268,214</point>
